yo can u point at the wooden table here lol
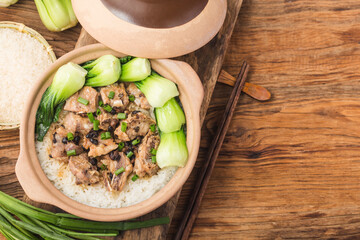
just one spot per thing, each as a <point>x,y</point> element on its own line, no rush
<point>289,168</point>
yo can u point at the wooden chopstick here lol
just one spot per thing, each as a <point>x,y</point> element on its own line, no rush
<point>215,147</point>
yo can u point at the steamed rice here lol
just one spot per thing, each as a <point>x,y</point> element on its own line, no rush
<point>23,60</point>
<point>97,195</point>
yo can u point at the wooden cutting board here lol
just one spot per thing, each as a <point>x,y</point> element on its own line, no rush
<point>206,61</point>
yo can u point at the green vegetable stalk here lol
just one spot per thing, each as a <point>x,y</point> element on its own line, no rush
<point>56,226</point>
<point>172,150</point>
<point>69,79</point>
<point>157,90</point>
<point>56,15</point>
<point>136,69</point>
<point>170,117</point>
<point>103,71</point>
<point>6,3</point>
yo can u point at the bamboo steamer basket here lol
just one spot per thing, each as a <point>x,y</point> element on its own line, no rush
<point>24,29</point>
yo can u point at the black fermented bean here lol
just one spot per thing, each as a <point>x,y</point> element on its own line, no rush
<point>77,140</point>
<point>94,141</point>
<point>64,140</point>
<point>93,161</point>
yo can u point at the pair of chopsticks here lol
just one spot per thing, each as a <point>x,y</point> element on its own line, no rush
<point>215,147</point>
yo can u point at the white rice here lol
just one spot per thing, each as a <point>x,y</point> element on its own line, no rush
<point>96,195</point>
<point>22,60</point>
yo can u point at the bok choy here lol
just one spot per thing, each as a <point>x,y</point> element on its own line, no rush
<point>157,90</point>
<point>56,15</point>
<point>136,69</point>
<point>170,117</point>
<point>69,79</point>
<point>6,3</point>
<point>103,71</point>
<point>172,150</point>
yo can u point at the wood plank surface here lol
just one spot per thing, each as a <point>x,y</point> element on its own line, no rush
<point>206,61</point>
<point>289,168</point>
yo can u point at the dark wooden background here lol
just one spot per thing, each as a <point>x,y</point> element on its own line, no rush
<point>289,168</point>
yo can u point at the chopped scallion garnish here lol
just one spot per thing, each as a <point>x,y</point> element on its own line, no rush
<point>71,152</point>
<point>134,178</point>
<point>108,108</point>
<point>153,159</point>
<point>83,101</point>
<point>96,124</point>
<point>152,127</point>
<point>153,151</point>
<point>121,146</point>
<point>120,170</point>
<point>101,103</point>
<point>70,136</point>
<point>121,116</point>
<point>136,141</point>
<point>123,126</point>
<point>131,98</point>
<point>111,95</point>
<point>103,167</point>
<point>130,154</point>
<point>105,135</point>
<point>91,117</point>
<point>98,112</point>
<point>102,136</point>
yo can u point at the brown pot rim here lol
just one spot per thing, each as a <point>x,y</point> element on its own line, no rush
<point>39,188</point>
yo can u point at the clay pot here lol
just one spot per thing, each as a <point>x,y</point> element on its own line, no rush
<point>39,188</point>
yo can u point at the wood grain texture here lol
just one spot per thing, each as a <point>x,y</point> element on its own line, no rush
<point>206,61</point>
<point>289,168</point>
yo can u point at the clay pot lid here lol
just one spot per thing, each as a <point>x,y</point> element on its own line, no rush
<point>152,28</point>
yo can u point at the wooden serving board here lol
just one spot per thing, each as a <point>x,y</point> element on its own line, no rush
<point>206,61</point>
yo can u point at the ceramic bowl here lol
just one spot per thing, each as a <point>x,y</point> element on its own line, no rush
<point>39,188</point>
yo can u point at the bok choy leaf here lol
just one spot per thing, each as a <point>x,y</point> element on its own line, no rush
<point>69,79</point>
<point>170,117</point>
<point>172,150</point>
<point>56,15</point>
<point>6,3</point>
<point>157,90</point>
<point>103,71</point>
<point>136,69</point>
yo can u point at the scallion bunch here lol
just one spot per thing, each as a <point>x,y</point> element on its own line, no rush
<point>19,220</point>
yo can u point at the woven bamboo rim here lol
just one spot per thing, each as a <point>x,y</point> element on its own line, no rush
<point>24,29</point>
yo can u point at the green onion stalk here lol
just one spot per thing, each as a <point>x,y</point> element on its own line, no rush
<point>157,89</point>
<point>56,15</point>
<point>103,71</point>
<point>6,3</point>
<point>136,69</point>
<point>58,226</point>
<point>69,79</point>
